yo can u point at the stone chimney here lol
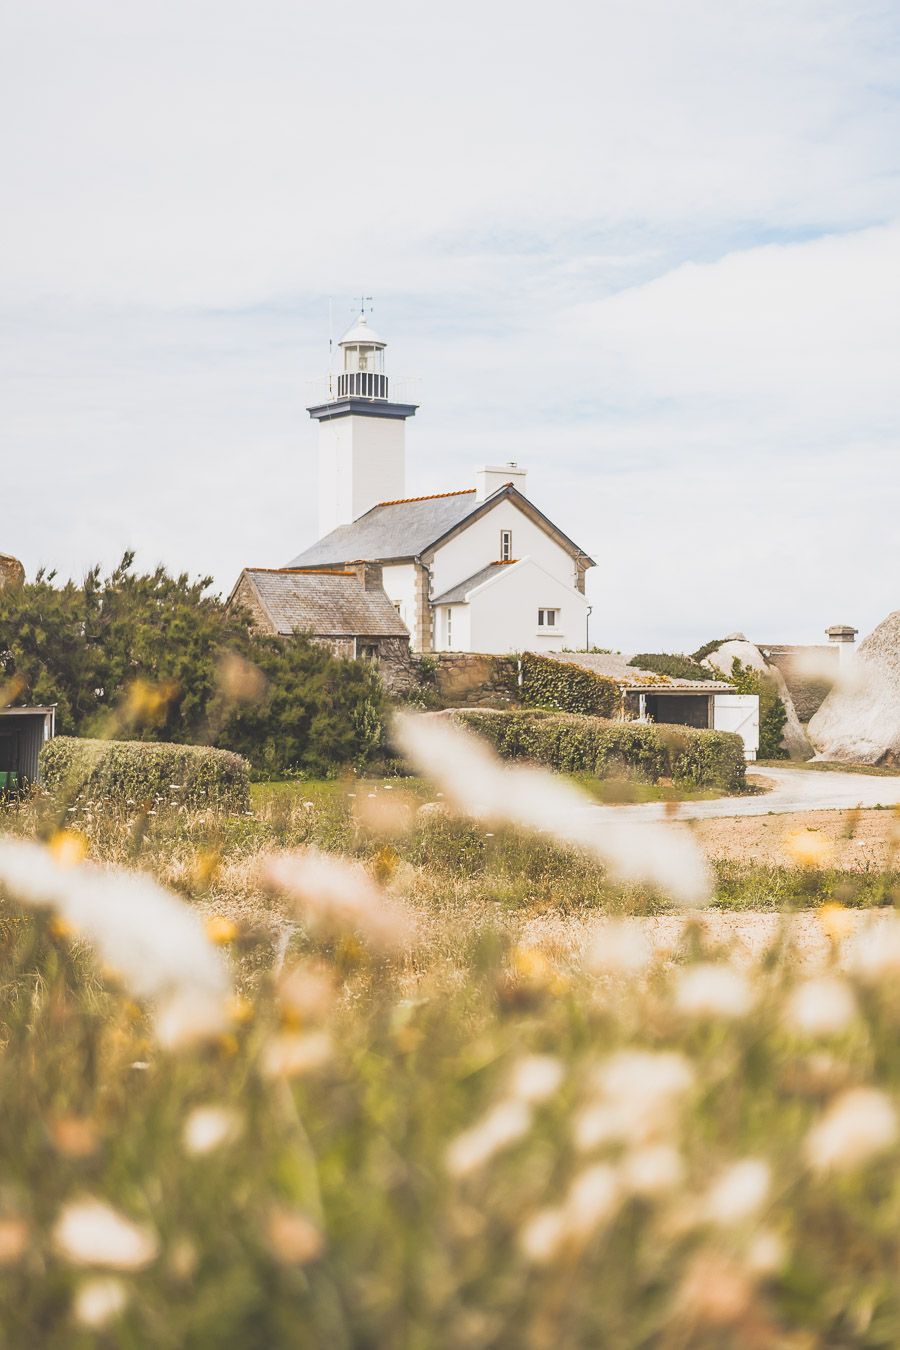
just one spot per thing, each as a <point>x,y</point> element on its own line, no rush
<point>12,573</point>
<point>491,478</point>
<point>841,632</point>
<point>369,574</point>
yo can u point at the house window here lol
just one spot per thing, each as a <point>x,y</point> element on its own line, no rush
<point>449,628</point>
<point>368,651</point>
<point>548,618</point>
<point>506,545</point>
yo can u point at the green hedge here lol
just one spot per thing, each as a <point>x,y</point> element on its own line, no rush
<point>567,687</point>
<point>142,772</point>
<point>575,744</point>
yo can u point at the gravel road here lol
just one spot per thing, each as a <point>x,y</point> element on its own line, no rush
<point>793,790</point>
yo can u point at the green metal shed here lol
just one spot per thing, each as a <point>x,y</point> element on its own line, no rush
<point>23,732</point>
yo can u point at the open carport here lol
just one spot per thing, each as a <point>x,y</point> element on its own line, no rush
<point>23,732</point>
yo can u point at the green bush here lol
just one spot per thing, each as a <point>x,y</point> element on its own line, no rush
<point>574,744</point>
<point>143,772</point>
<point>676,666</point>
<point>567,687</point>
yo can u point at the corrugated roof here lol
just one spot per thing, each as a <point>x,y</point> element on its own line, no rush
<point>325,604</point>
<point>401,529</point>
<point>457,594</point>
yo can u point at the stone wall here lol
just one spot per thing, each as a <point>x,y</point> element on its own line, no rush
<point>475,680</point>
<point>795,664</point>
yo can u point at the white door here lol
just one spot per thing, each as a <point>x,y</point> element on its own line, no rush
<point>739,713</point>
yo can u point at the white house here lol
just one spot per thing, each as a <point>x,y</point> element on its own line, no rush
<point>481,569</point>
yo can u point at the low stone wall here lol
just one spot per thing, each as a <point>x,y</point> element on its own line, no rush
<point>475,680</point>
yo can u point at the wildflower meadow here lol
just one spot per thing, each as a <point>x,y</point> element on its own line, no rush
<point>314,1074</point>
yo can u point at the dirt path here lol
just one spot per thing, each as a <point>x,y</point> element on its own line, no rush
<point>792,791</point>
<point>853,841</point>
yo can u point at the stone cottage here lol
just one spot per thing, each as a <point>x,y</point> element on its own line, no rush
<point>345,609</point>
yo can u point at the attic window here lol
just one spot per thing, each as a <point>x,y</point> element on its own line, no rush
<point>505,545</point>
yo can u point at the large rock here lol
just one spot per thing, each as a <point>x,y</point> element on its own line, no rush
<point>859,722</point>
<point>794,739</point>
<point>12,573</point>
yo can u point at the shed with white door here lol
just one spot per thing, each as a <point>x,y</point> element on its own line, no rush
<point>706,704</point>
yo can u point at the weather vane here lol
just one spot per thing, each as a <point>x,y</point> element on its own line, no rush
<point>363,301</point>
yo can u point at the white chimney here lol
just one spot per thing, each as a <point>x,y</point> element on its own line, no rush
<point>491,478</point>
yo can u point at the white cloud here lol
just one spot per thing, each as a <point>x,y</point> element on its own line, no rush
<point>575,226</point>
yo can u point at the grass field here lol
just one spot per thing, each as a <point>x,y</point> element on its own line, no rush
<point>342,1072</point>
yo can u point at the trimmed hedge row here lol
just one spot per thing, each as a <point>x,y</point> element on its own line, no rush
<point>140,772</point>
<point>567,687</point>
<point>574,744</point>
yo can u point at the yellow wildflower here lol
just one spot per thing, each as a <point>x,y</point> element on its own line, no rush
<point>836,920</point>
<point>68,847</point>
<point>221,930</point>
<point>809,848</point>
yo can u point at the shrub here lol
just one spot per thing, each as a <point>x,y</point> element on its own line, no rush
<point>194,776</point>
<point>575,744</point>
<point>566,687</point>
<point>677,667</point>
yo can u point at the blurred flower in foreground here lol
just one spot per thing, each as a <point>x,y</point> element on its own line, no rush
<point>499,1129</point>
<point>337,896</point>
<point>857,1126</point>
<point>75,1136</point>
<point>820,1007</point>
<point>147,703</point>
<point>13,1239</point>
<point>837,921</point>
<point>293,1237</point>
<point>535,1078</point>
<point>220,930</point>
<point>875,953</point>
<point>239,680</point>
<point>151,939</point>
<point>68,847</point>
<point>535,799</point>
<point>619,947</point>
<point>209,1127</point>
<point>98,1302</point>
<point>809,848</point>
<point>306,992</point>
<point>637,1092</point>
<point>591,1203</point>
<point>91,1233</point>
<point>716,1291</point>
<point>738,1194</point>
<point>292,1054</point>
<point>713,990</point>
<point>652,1170</point>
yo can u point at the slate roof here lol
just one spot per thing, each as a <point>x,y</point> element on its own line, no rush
<point>401,529</point>
<point>457,594</point>
<point>325,604</point>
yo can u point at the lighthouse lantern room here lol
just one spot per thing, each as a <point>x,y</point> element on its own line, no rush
<point>362,445</point>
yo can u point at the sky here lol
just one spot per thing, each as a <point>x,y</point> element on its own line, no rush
<point>649,250</point>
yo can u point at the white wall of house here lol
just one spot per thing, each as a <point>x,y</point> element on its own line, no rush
<point>501,615</point>
<point>479,544</point>
<point>399,581</point>
<point>452,629</point>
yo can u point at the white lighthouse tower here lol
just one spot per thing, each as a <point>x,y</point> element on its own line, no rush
<point>362,433</point>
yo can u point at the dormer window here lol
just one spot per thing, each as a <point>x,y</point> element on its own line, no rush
<point>506,545</point>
